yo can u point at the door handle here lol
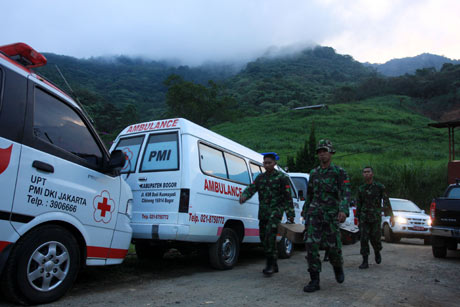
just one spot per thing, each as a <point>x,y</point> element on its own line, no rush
<point>42,166</point>
<point>142,179</point>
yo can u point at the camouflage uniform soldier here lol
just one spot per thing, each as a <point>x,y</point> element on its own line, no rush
<point>326,205</point>
<point>369,213</point>
<point>274,199</point>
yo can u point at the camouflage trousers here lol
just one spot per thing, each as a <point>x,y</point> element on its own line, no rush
<point>322,231</point>
<point>268,229</point>
<point>370,231</point>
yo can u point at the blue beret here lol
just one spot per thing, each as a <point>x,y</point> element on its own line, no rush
<point>274,154</point>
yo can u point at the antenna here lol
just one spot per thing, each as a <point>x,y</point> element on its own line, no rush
<point>73,94</point>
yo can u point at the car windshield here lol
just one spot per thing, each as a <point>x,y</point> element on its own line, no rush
<point>404,205</point>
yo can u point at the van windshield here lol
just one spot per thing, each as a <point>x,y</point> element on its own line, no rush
<point>161,153</point>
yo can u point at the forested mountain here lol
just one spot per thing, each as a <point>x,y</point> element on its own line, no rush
<point>120,90</point>
<point>121,81</point>
<point>303,78</point>
<point>409,65</point>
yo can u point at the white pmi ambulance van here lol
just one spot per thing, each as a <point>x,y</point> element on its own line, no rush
<point>186,182</point>
<point>63,203</point>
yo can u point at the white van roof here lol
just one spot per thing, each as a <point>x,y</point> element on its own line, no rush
<point>190,128</point>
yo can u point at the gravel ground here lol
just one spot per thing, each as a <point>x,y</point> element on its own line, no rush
<point>408,276</point>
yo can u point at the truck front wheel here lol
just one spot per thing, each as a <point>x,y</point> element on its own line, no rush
<point>42,266</point>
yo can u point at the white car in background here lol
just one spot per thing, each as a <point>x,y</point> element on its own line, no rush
<point>409,222</point>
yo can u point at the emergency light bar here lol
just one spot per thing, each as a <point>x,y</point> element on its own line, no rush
<point>24,55</point>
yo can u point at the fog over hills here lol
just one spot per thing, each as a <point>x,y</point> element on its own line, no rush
<point>408,65</point>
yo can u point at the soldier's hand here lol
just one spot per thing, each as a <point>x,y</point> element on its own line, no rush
<point>341,217</point>
<point>242,199</point>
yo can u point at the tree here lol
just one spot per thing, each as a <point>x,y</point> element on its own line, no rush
<point>306,156</point>
<point>198,103</point>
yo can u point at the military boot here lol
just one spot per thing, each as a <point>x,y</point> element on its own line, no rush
<point>313,285</point>
<point>275,266</point>
<point>365,264</point>
<point>339,274</point>
<point>378,257</point>
<point>269,270</point>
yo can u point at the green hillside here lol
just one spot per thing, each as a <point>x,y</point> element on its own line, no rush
<point>304,78</point>
<point>409,157</point>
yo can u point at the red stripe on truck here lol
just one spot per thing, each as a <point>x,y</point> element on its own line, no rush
<point>248,232</point>
<point>4,244</point>
<point>105,252</point>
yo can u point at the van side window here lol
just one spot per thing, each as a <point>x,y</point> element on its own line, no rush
<point>237,169</point>
<point>57,124</point>
<point>161,153</point>
<point>131,147</point>
<point>212,161</point>
<point>255,170</point>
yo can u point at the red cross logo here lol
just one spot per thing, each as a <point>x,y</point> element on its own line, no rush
<point>103,207</point>
<point>128,156</point>
<point>5,155</point>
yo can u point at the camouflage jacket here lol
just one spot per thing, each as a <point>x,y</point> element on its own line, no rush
<point>369,206</point>
<point>274,195</point>
<point>328,191</point>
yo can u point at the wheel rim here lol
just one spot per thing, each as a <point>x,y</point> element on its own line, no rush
<point>48,266</point>
<point>228,251</point>
<point>287,246</point>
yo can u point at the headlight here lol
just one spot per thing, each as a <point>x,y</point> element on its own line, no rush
<point>401,220</point>
<point>129,208</point>
<point>428,221</point>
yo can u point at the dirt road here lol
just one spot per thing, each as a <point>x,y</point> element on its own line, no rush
<point>408,276</point>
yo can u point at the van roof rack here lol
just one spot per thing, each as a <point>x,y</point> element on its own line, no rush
<point>24,55</point>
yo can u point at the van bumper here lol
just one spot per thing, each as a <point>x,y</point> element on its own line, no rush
<point>160,231</point>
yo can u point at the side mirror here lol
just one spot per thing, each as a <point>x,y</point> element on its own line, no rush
<point>117,160</point>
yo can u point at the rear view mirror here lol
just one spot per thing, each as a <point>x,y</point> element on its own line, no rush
<point>117,160</point>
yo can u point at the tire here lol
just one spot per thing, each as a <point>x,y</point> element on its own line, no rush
<point>427,241</point>
<point>285,248</point>
<point>42,267</point>
<point>439,251</point>
<point>388,234</point>
<point>147,251</point>
<point>223,255</point>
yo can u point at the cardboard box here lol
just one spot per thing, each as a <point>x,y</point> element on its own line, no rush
<point>293,232</point>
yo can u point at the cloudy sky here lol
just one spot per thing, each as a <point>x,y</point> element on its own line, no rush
<point>194,31</point>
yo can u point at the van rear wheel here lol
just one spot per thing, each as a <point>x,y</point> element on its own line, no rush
<point>42,267</point>
<point>223,254</point>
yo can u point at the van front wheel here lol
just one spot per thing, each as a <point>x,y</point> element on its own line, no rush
<point>42,267</point>
<point>223,254</point>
